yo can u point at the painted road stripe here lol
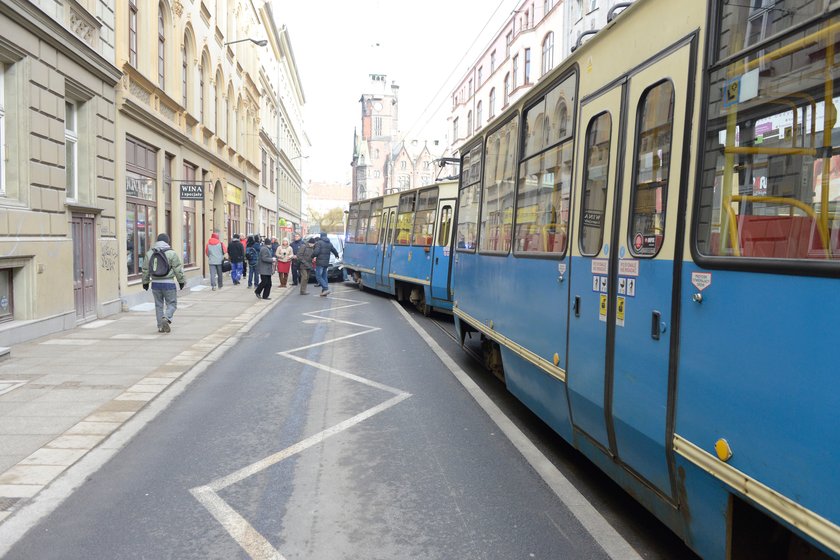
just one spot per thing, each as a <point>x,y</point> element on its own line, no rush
<point>604,534</point>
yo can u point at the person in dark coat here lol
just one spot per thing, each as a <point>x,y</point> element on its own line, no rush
<point>266,269</point>
<point>322,262</point>
<point>252,254</point>
<point>304,258</point>
<point>295,248</point>
<point>236,254</point>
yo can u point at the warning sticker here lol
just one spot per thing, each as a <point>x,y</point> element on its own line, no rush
<point>600,266</point>
<point>602,310</point>
<point>622,285</point>
<point>628,267</point>
<point>596,284</point>
<point>631,287</point>
<point>604,284</point>
<point>701,280</point>
<point>619,312</point>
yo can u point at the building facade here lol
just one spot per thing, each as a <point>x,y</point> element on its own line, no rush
<point>537,37</point>
<point>383,162</point>
<point>122,120</point>
<point>59,252</point>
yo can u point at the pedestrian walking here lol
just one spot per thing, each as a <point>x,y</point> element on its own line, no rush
<point>284,261</point>
<point>216,253</point>
<point>162,268</point>
<point>252,255</point>
<point>295,269</point>
<point>322,262</point>
<point>236,253</point>
<point>304,258</point>
<point>266,269</point>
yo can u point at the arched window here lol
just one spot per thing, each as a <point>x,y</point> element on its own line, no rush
<point>491,109</point>
<point>507,90</point>
<point>161,47</point>
<point>469,123</point>
<point>547,54</point>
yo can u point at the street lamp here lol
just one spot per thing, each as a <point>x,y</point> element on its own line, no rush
<point>258,42</point>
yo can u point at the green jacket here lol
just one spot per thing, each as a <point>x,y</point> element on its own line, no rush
<point>176,270</point>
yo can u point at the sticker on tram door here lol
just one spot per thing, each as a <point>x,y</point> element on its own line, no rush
<point>619,312</point>
<point>602,310</point>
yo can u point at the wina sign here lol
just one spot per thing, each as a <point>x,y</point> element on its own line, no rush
<point>190,191</point>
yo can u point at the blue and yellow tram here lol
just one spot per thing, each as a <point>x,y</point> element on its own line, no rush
<point>649,242</point>
<point>400,244</point>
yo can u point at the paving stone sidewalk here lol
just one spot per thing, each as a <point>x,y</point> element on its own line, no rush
<point>64,394</point>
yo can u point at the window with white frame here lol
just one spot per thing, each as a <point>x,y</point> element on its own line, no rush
<point>491,109</point>
<point>71,149</point>
<point>515,71</point>
<point>132,32</point>
<point>527,74</point>
<point>480,77</point>
<point>161,48</point>
<point>455,128</point>
<point>478,115</point>
<point>507,90</point>
<point>184,74</point>
<point>547,54</point>
<point>492,62</point>
<point>469,123</point>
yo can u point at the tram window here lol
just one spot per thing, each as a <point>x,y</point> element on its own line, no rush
<point>364,216</point>
<point>424,219</point>
<point>375,221</point>
<point>542,203</point>
<point>550,121</point>
<point>468,200</point>
<point>595,185</point>
<point>352,223</point>
<point>445,226</point>
<point>405,219</point>
<point>499,182</point>
<point>649,197</point>
<point>770,187</point>
<point>743,25</point>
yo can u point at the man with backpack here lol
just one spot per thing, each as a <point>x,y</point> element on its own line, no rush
<point>161,269</point>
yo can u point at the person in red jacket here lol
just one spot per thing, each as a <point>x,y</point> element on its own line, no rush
<point>216,253</point>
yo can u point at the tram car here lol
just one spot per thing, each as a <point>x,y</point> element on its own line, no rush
<point>649,245</point>
<point>401,244</point>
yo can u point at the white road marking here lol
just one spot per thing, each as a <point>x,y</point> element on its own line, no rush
<point>604,534</point>
<point>251,541</point>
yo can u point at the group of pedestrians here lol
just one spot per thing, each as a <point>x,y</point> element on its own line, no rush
<point>255,258</point>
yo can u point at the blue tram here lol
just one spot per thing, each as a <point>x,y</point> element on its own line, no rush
<point>401,244</point>
<point>649,243</point>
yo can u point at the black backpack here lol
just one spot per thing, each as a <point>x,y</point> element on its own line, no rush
<point>159,266</point>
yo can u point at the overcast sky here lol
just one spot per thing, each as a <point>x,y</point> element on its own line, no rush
<point>418,45</point>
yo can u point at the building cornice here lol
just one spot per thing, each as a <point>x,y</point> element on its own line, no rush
<point>28,15</point>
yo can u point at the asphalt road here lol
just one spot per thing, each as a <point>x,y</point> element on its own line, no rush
<point>333,431</point>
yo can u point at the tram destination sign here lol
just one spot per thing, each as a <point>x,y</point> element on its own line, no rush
<point>192,191</point>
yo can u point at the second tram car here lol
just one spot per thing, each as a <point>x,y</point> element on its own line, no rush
<point>401,244</point>
<point>649,241</point>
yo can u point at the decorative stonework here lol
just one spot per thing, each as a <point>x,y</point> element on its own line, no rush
<point>139,92</point>
<point>82,23</point>
<point>167,112</point>
<point>178,8</point>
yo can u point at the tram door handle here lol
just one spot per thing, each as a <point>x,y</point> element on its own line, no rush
<point>436,261</point>
<point>576,306</point>
<point>657,327</point>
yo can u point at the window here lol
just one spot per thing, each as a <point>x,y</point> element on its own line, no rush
<point>515,71</point>
<point>507,90</point>
<point>469,123</point>
<point>2,129</point>
<point>250,214</point>
<point>653,159</point>
<point>547,54</point>
<point>499,182</point>
<point>542,200</point>
<point>405,219</point>
<point>184,74</point>
<point>271,175</point>
<point>478,115</point>
<point>201,71</point>
<point>526,79</point>
<point>234,218</point>
<point>593,5</point>
<point>445,230</point>
<point>168,160</point>
<point>161,48</point>
<point>264,174</point>
<point>424,220</point>
<point>375,221</point>
<point>404,182</point>
<point>7,305</point>
<point>403,164</point>
<point>480,78</point>
<point>491,109</point>
<point>132,32</point>
<point>770,187</point>
<point>352,223</point>
<point>508,41</point>
<point>188,227</point>
<point>595,185</point>
<point>141,203</point>
<point>492,61</point>
<point>455,129</point>
<point>218,121</point>
<point>470,89</point>
<point>745,24</point>
<point>377,126</point>
<point>71,149</point>
<point>468,200</point>
<point>362,222</point>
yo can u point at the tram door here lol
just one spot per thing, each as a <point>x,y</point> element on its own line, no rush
<point>389,216</point>
<point>442,247</point>
<point>632,275</point>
